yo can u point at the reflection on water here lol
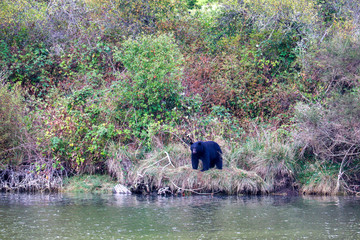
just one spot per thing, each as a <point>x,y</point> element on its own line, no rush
<point>24,216</point>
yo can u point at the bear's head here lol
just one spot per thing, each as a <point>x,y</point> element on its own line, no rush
<point>197,148</point>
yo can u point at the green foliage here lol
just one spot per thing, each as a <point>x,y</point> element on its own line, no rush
<point>219,124</point>
<point>31,66</point>
<point>18,19</point>
<point>152,94</point>
<point>79,131</point>
<point>91,64</point>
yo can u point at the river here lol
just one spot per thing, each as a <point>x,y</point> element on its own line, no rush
<point>86,216</point>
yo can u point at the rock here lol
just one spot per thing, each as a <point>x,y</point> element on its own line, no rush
<point>121,189</point>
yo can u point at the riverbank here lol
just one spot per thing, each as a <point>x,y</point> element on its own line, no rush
<point>260,166</point>
<point>228,182</point>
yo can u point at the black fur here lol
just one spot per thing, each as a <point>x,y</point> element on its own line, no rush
<point>208,152</point>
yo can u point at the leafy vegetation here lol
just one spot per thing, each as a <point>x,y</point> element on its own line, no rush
<point>113,86</point>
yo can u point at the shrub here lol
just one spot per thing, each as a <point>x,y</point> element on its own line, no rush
<point>152,95</point>
<point>330,133</point>
<point>78,129</point>
<point>19,20</point>
<point>30,65</point>
<point>12,111</point>
<point>279,13</point>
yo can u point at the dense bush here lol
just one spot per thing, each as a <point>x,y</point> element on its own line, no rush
<point>78,129</point>
<point>330,133</point>
<point>151,95</point>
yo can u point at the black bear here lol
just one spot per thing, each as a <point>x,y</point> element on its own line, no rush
<point>209,153</point>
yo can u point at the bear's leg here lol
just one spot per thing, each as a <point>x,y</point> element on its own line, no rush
<point>206,163</point>
<point>219,162</point>
<point>194,162</point>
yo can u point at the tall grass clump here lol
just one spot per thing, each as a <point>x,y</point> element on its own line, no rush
<point>318,178</point>
<point>270,155</point>
<point>122,162</point>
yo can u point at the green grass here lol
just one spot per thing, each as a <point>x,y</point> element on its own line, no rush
<point>89,184</point>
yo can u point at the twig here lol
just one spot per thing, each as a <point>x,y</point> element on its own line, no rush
<point>178,138</point>
<point>326,32</point>
<point>164,158</point>
<point>169,158</point>
<point>357,193</point>
<point>341,169</point>
<point>192,190</point>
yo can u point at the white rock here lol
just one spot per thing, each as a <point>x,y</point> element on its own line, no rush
<point>121,189</point>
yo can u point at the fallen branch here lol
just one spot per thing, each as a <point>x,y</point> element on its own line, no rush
<point>341,169</point>
<point>193,190</point>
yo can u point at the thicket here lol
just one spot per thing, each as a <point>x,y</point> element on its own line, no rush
<point>110,86</point>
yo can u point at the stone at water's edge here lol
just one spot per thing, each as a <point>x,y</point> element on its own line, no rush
<point>121,189</point>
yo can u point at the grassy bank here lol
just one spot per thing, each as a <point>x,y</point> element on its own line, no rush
<point>253,168</point>
<point>89,184</point>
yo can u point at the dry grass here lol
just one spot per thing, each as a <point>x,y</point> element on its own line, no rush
<point>330,133</point>
<point>269,156</point>
<point>163,174</point>
<point>259,166</point>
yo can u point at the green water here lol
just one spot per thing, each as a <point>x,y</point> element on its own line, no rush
<point>24,216</point>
